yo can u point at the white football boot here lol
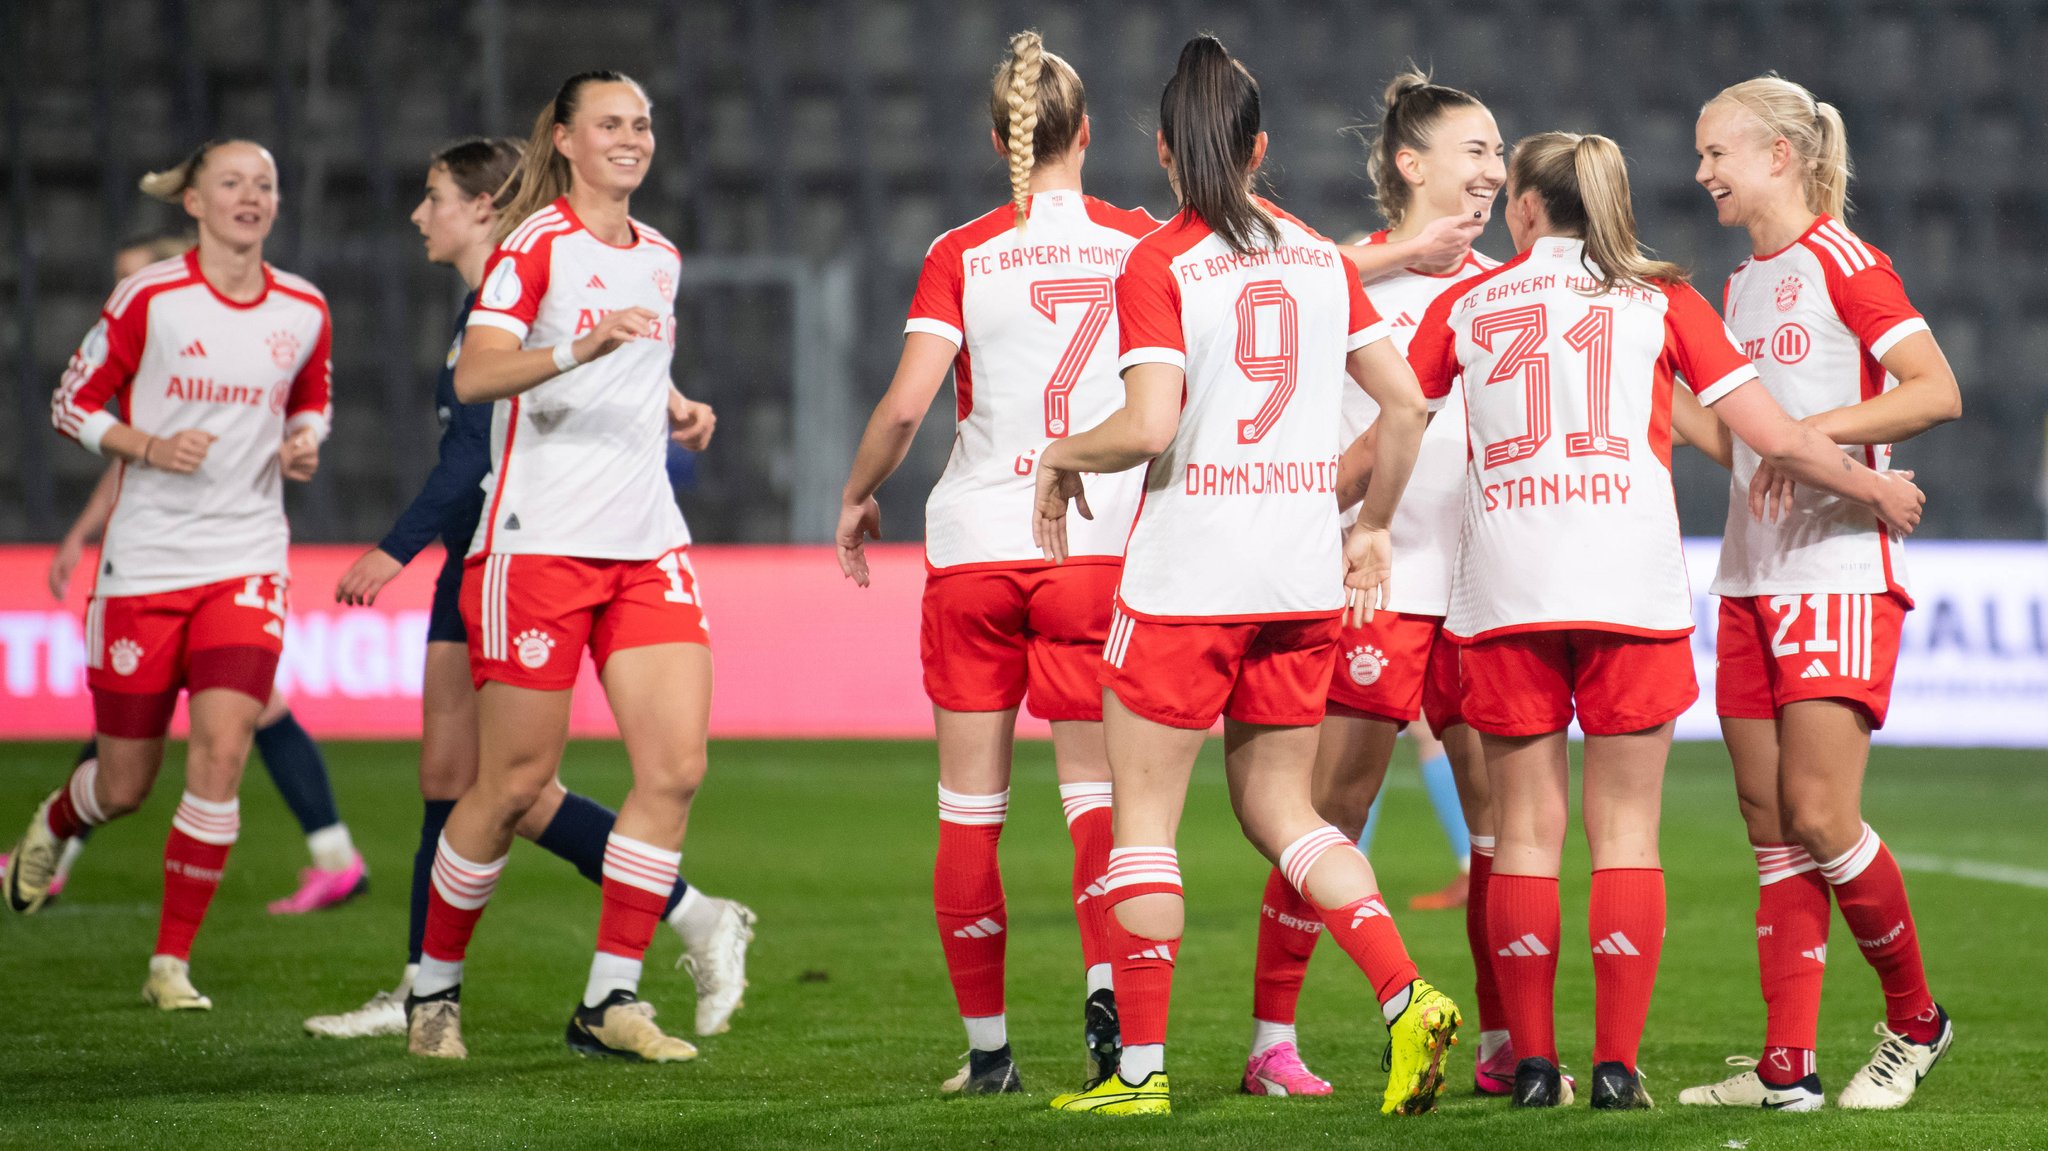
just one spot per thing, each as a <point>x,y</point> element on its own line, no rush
<point>1896,1068</point>
<point>718,964</point>
<point>170,986</point>
<point>1747,1089</point>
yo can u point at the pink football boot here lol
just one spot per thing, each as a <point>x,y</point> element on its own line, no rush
<point>320,889</point>
<point>1278,1070</point>
<point>1495,1074</point>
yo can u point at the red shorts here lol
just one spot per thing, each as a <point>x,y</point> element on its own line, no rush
<point>141,649</point>
<point>1530,683</point>
<point>1779,649</point>
<point>1273,672</point>
<point>1398,668</point>
<point>992,637</point>
<point>530,616</point>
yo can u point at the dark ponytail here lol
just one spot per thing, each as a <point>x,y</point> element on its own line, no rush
<point>1209,115</point>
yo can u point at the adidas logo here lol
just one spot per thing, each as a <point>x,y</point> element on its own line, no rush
<point>1526,946</point>
<point>1615,944</point>
<point>1162,953</point>
<point>195,350</point>
<point>595,283</point>
<point>1094,890</point>
<point>1818,955</point>
<point>1404,320</point>
<point>983,928</point>
<point>1372,908</point>
<point>1814,670</point>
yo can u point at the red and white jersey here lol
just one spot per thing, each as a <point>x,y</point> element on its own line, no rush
<point>1815,317</point>
<point>1427,520</point>
<point>1569,518</point>
<point>1034,316</point>
<point>579,464</point>
<point>168,354</point>
<point>1239,519</point>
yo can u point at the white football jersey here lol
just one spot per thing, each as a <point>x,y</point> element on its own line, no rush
<point>1239,518</point>
<point>1569,518</point>
<point>170,354</point>
<point>1428,519</point>
<point>1815,318</point>
<point>1033,313</point>
<point>579,464</point>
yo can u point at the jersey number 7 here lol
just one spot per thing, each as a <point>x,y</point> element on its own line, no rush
<point>1594,337</point>
<point>1047,296</point>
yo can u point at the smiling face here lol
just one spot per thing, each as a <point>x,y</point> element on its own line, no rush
<point>610,139</point>
<point>449,221</point>
<point>1744,168</point>
<point>1463,168</point>
<point>234,195</point>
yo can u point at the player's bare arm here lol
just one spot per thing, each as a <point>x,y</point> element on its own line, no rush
<point>1442,244</point>
<point>1692,423</point>
<point>179,452</point>
<point>493,366</point>
<point>1926,396</point>
<point>690,422</point>
<point>1802,453</point>
<point>920,373</point>
<point>1136,432</point>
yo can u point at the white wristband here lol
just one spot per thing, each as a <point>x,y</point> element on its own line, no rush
<point>565,356</point>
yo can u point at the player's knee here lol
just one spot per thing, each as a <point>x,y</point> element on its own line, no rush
<point>1153,916</point>
<point>1823,833</point>
<point>119,797</point>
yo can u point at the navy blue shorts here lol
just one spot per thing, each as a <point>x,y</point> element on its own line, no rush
<point>444,622</point>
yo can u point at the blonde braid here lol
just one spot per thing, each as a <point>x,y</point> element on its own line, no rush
<point>1027,59</point>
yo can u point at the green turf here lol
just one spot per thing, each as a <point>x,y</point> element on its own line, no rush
<point>849,1025</point>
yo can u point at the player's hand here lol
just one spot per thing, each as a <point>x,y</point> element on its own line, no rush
<point>366,577</point>
<point>690,423</point>
<point>63,564</point>
<point>1770,493</point>
<point>1446,240</point>
<point>299,457</point>
<point>179,452</point>
<point>1368,572</point>
<point>1056,487</point>
<point>1899,502</point>
<point>612,333</point>
<point>858,523</point>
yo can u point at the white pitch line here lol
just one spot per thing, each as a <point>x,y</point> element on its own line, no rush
<point>1977,869</point>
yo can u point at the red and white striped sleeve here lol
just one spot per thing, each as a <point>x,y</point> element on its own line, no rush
<point>1699,347</point>
<point>311,402</point>
<point>92,394</point>
<point>1366,322</point>
<point>936,308</point>
<point>1433,349</point>
<point>1867,292</point>
<point>1148,310</point>
<point>516,275</point>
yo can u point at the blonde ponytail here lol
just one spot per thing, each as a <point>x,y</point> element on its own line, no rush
<point>1789,112</point>
<point>543,175</point>
<point>1583,183</point>
<point>1036,104</point>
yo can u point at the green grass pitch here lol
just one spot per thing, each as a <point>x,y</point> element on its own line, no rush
<point>849,1025</point>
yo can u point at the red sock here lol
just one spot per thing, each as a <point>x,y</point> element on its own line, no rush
<point>77,806</point>
<point>1872,896</point>
<point>638,878</point>
<point>1143,968</point>
<point>967,892</point>
<point>1087,807</point>
<point>1625,919</point>
<point>194,856</point>
<point>1364,927</point>
<point>1791,957</point>
<point>1485,989</point>
<point>1522,928</point>
<point>1289,926</point>
<point>456,899</point>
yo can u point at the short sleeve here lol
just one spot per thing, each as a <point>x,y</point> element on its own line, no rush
<point>935,309</point>
<point>1699,347</point>
<point>514,282</point>
<point>1874,306</point>
<point>85,404</point>
<point>1366,325</point>
<point>1433,350</point>
<point>311,403</point>
<point>1148,312</point>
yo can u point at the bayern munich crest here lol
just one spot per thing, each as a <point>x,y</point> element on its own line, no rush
<point>1366,662</point>
<point>1787,294</point>
<point>665,284</point>
<point>284,349</point>
<point>125,655</point>
<point>534,647</point>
